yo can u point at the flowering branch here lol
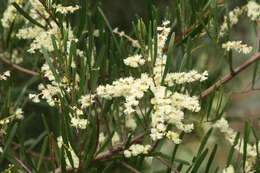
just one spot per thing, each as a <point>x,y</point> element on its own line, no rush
<point>223,80</point>
<point>228,77</point>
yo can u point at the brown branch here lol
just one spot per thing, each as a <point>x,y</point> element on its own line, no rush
<point>225,79</point>
<point>19,68</point>
<point>228,77</point>
<point>130,168</point>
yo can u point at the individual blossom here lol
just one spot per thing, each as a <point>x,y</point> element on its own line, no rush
<point>18,114</point>
<point>173,136</point>
<point>78,123</point>
<point>5,75</point>
<point>229,169</point>
<point>134,61</point>
<point>115,139</point>
<point>130,122</point>
<point>237,46</point>
<point>86,100</point>
<point>34,98</point>
<point>65,9</point>
<point>4,121</point>
<point>101,138</point>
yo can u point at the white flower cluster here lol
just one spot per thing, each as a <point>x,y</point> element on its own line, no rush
<point>160,62</point>
<point>253,11</point>
<point>137,149</point>
<point>167,106</point>
<point>182,77</point>
<point>47,72</point>
<point>51,91</point>
<point>130,122</point>
<point>79,122</point>
<point>75,119</point>
<point>86,100</point>
<point>237,46</point>
<point>5,75</point>
<point>173,136</point>
<point>65,10</point>
<point>40,36</point>
<point>74,157</point>
<point>46,93</point>
<point>229,169</point>
<point>230,135</point>
<point>18,114</point>
<point>134,61</point>
<point>233,19</point>
<point>10,14</point>
<point>129,88</point>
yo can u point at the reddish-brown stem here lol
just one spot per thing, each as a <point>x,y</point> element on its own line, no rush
<point>45,19</point>
<point>229,76</point>
<point>50,13</point>
<point>19,68</point>
<point>23,165</point>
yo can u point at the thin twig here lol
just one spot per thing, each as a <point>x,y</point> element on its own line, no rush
<point>167,164</point>
<point>19,68</point>
<point>155,145</point>
<point>23,165</point>
<point>228,77</point>
<point>130,168</point>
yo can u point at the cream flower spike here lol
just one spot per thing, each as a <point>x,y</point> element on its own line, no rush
<point>237,46</point>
